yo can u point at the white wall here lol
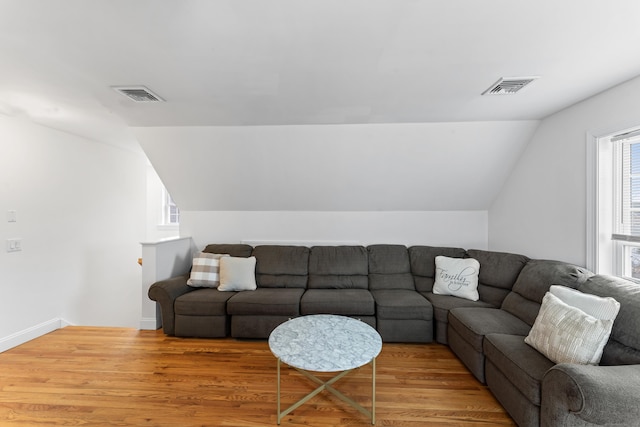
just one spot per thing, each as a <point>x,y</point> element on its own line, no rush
<point>462,229</point>
<point>81,214</point>
<point>541,210</point>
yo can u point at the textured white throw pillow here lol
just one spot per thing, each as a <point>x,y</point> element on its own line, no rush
<point>605,308</point>
<point>205,270</point>
<point>567,334</point>
<point>237,274</point>
<point>457,277</point>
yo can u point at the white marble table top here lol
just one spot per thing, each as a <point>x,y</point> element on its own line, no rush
<point>325,343</point>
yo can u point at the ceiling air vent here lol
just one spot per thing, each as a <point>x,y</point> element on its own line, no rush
<point>138,93</point>
<point>508,85</point>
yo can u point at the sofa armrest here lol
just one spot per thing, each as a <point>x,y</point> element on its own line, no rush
<point>584,395</point>
<point>165,293</point>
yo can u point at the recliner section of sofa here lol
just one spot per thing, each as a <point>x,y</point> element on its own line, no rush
<point>469,326</point>
<point>339,283</point>
<point>423,269</point>
<point>490,342</point>
<point>514,371</point>
<point>200,312</point>
<point>498,273</point>
<point>402,314</point>
<point>282,273</point>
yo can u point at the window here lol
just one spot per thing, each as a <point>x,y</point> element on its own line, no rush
<point>170,211</point>
<point>626,199</point>
<point>613,204</point>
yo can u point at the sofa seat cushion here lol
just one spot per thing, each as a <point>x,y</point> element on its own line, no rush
<point>266,301</point>
<point>203,302</point>
<point>443,303</point>
<point>474,323</point>
<point>401,304</point>
<point>348,302</point>
<point>519,362</point>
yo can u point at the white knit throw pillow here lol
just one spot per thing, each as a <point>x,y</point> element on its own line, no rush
<point>566,334</point>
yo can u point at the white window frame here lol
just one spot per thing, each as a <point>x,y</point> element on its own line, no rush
<point>166,211</point>
<point>605,255</point>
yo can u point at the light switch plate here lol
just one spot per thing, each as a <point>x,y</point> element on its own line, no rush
<point>11,216</point>
<point>14,245</point>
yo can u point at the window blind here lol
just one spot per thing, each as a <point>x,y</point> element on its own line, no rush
<point>627,209</point>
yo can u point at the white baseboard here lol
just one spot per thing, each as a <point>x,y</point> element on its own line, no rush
<point>33,332</point>
<point>149,324</point>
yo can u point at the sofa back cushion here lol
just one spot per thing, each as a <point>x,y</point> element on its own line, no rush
<point>534,281</point>
<point>423,264</point>
<point>389,267</point>
<point>623,347</point>
<point>281,266</point>
<point>237,250</point>
<point>498,274</point>
<point>338,267</point>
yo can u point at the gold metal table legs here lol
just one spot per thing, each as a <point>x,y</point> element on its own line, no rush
<point>328,385</point>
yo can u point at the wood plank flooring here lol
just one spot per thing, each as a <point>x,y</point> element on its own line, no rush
<point>84,376</point>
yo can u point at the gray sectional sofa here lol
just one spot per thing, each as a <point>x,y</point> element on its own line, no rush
<point>391,288</point>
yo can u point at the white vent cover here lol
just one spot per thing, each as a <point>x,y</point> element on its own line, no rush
<point>138,93</point>
<point>509,85</point>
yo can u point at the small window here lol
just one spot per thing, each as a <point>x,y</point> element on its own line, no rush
<point>170,211</point>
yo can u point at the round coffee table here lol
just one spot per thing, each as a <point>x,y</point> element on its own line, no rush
<point>326,343</point>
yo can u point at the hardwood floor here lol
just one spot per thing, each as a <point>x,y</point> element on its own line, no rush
<point>82,376</point>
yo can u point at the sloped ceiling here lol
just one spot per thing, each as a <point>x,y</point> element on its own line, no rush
<point>291,63</point>
<point>386,167</point>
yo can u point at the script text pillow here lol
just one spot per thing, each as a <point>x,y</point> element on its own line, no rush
<point>237,274</point>
<point>457,277</point>
<point>205,270</point>
<point>567,334</point>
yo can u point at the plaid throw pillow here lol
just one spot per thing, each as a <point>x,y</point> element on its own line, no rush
<point>205,272</point>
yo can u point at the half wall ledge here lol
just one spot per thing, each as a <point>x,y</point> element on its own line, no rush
<point>161,260</point>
